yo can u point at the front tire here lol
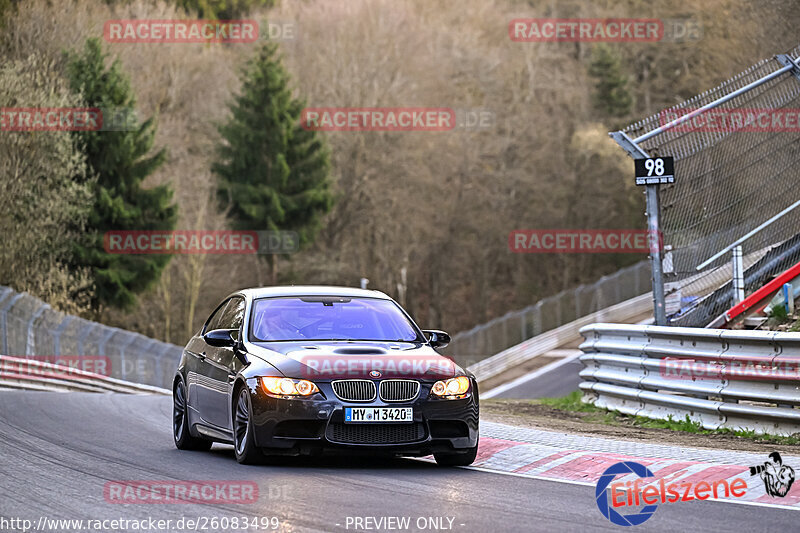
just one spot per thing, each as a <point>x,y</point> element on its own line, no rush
<point>180,422</point>
<point>457,458</point>
<point>244,445</point>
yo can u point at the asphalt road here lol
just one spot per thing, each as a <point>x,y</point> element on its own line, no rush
<point>554,383</point>
<point>58,450</point>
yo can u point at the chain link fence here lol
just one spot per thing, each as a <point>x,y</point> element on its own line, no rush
<point>31,329</point>
<point>567,306</point>
<point>736,167</point>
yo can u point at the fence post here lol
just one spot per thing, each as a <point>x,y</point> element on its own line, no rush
<point>82,337</point>
<point>101,347</point>
<point>125,346</point>
<point>57,335</point>
<point>523,327</point>
<point>4,312</point>
<point>537,319</point>
<point>30,341</point>
<point>160,379</point>
<point>558,307</point>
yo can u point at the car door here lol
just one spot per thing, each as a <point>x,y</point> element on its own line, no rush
<point>196,368</point>
<point>219,370</point>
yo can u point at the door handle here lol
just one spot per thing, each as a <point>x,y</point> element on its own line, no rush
<point>202,356</point>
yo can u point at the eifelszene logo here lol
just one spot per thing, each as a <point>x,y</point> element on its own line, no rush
<point>656,491</point>
<point>601,494</point>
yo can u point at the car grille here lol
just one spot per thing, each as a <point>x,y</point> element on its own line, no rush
<point>376,433</point>
<point>354,390</point>
<point>398,390</point>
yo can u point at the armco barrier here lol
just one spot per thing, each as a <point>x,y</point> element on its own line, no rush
<point>566,334</point>
<point>511,329</point>
<point>31,329</point>
<point>720,378</point>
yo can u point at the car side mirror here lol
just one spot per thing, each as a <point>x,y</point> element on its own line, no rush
<point>220,337</point>
<point>437,338</point>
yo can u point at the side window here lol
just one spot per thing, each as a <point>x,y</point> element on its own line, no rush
<point>214,320</point>
<point>233,315</point>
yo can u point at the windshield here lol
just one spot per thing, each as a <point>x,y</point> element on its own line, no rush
<point>329,318</point>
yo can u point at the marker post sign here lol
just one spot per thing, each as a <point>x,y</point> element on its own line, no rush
<point>655,170</point>
<point>652,172</point>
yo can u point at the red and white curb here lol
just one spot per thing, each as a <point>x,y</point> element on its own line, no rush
<point>586,463</point>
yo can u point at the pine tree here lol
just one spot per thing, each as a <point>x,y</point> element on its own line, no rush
<point>120,162</point>
<point>272,173</point>
<point>611,97</point>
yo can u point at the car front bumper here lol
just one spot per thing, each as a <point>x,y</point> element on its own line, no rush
<point>315,425</point>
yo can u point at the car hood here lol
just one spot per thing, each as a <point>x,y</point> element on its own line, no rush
<point>356,360</point>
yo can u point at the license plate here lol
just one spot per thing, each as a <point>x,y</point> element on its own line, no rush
<point>378,414</point>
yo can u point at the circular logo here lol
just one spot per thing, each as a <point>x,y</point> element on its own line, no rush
<point>601,494</point>
<point>374,374</point>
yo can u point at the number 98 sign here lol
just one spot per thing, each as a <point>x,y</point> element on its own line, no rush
<point>655,171</point>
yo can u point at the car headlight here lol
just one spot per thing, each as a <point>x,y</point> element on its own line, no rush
<point>288,387</point>
<point>451,388</point>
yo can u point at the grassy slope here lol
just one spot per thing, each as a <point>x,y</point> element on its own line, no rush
<point>572,403</point>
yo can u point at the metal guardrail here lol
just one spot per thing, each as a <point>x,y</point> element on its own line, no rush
<point>503,332</point>
<point>30,328</point>
<point>19,373</point>
<point>720,378</point>
<point>566,334</point>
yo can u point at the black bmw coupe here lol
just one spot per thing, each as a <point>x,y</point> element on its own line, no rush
<point>307,370</point>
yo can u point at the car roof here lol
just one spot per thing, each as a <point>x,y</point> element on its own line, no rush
<point>311,290</point>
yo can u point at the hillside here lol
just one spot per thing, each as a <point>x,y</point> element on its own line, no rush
<point>425,216</point>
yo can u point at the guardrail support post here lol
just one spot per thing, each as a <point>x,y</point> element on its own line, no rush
<point>788,295</point>
<point>738,274</point>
